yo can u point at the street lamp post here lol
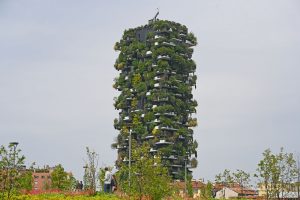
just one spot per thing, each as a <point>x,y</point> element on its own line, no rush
<point>85,175</point>
<point>129,165</point>
<point>14,145</point>
<point>298,173</point>
<point>185,176</point>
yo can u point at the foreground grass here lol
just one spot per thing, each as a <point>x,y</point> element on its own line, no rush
<point>65,197</point>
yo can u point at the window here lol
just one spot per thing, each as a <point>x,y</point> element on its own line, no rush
<point>43,177</point>
<point>35,182</point>
<point>36,177</point>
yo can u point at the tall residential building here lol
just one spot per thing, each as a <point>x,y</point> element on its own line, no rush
<point>156,103</point>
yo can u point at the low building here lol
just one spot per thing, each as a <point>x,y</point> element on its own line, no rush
<point>41,179</point>
<point>196,185</point>
<point>290,191</point>
<point>235,192</point>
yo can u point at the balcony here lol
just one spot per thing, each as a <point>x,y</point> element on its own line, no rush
<point>181,137</point>
<point>178,95</point>
<point>177,40</point>
<point>152,150</point>
<point>148,137</point>
<point>158,37</point>
<point>156,78</point>
<point>126,118</point>
<point>163,99</point>
<point>163,142</point>
<point>177,166</point>
<point>148,53</point>
<point>163,57</point>
<point>121,147</point>
<point>137,110</point>
<point>169,113</point>
<point>156,121</point>
<point>156,85</point>
<point>172,157</point>
<point>167,128</point>
<point>168,44</point>
<point>189,43</point>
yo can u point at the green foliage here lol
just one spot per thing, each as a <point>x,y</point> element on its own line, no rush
<point>66,197</point>
<point>189,186</point>
<point>156,89</point>
<point>90,171</point>
<point>241,177</point>
<point>228,178</point>
<point>25,181</point>
<point>224,177</point>
<point>60,179</point>
<point>277,172</point>
<point>207,191</point>
<point>148,176</point>
<point>10,164</point>
<point>101,177</point>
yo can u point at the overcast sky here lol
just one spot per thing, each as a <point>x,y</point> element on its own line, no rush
<point>56,76</point>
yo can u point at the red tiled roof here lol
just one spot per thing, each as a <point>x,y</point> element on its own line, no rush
<point>195,184</point>
<point>244,191</point>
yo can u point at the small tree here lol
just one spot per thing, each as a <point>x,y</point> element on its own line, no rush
<point>101,177</point>
<point>224,178</point>
<point>189,186</point>
<point>277,173</point>
<point>207,191</point>
<point>90,174</point>
<point>268,173</point>
<point>25,181</point>
<point>60,179</point>
<point>148,176</point>
<point>10,164</point>
<point>242,178</point>
<point>288,172</point>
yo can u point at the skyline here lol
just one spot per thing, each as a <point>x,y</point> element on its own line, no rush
<point>56,76</point>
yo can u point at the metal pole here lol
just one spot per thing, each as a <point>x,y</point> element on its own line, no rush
<point>185,178</point>
<point>129,175</point>
<point>14,144</point>
<point>298,182</point>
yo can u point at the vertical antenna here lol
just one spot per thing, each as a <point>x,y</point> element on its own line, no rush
<point>154,19</point>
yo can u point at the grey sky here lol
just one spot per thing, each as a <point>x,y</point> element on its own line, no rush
<point>56,75</point>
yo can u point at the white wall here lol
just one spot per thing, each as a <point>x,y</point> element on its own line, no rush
<point>226,193</point>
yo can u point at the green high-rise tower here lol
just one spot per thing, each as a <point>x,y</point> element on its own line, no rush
<point>156,102</point>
